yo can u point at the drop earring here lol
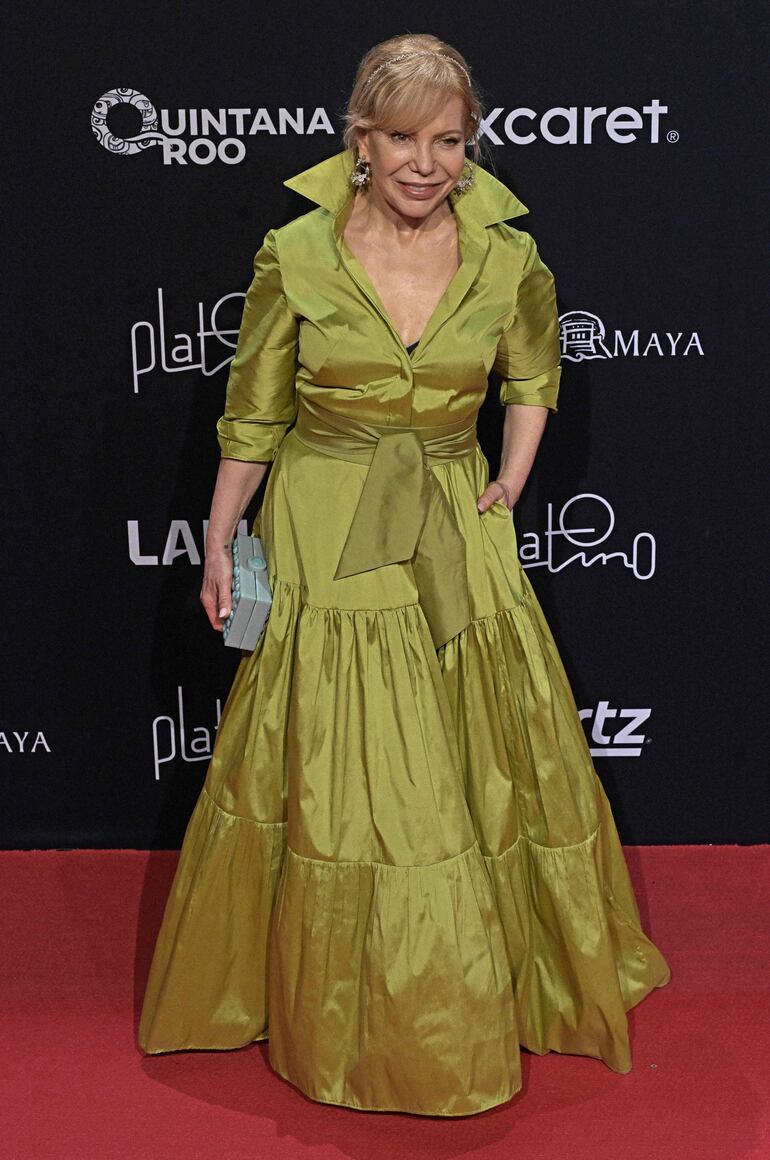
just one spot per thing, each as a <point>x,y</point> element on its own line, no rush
<point>466,182</point>
<point>361,176</point>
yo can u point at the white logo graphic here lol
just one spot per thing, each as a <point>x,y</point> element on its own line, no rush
<point>170,736</point>
<point>113,144</point>
<point>619,741</point>
<point>583,336</point>
<point>179,542</point>
<point>595,528</point>
<point>576,126</point>
<point>185,135</point>
<point>151,346</point>
<point>17,742</point>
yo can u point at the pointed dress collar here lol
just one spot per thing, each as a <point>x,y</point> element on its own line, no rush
<point>328,184</point>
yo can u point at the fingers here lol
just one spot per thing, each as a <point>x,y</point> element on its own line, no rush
<point>495,492</point>
<point>216,598</point>
<point>210,606</point>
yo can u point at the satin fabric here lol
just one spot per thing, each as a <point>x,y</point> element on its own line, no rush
<point>402,513</point>
<point>402,865</point>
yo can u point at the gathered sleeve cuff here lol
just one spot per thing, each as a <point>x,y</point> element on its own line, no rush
<point>529,352</point>
<point>261,398</point>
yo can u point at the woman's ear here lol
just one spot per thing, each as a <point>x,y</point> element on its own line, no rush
<point>362,144</point>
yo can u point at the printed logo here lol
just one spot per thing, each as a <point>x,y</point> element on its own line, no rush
<point>573,125</point>
<point>149,134</point>
<point>198,136</point>
<point>173,737</point>
<point>608,738</point>
<point>587,527</point>
<point>584,336</point>
<point>25,742</point>
<point>179,542</point>
<point>155,346</point>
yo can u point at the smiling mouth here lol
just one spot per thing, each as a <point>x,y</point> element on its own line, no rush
<point>420,185</point>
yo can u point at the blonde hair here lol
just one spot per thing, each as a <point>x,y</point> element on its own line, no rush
<point>408,91</point>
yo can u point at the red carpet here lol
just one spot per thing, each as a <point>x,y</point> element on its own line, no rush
<point>78,930</point>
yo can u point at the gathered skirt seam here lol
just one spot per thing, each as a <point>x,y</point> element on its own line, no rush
<point>240,817</point>
<point>406,865</point>
<point>496,613</point>
<point>379,608</point>
<point>276,580</point>
<point>444,861</point>
<point>541,846</point>
<point>409,604</point>
<point>385,865</point>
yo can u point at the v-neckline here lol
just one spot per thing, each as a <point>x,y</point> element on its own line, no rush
<point>367,284</point>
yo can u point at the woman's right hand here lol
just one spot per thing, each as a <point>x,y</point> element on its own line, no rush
<point>237,481</point>
<point>216,591</point>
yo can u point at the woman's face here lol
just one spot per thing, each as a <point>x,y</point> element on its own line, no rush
<point>413,172</point>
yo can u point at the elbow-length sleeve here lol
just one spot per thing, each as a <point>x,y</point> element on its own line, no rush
<point>261,399</point>
<point>529,352</point>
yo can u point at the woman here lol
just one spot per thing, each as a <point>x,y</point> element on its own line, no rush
<point>402,850</point>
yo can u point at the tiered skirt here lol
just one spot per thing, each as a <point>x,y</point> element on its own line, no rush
<point>402,865</point>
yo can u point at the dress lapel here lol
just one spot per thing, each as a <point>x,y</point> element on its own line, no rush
<point>474,244</point>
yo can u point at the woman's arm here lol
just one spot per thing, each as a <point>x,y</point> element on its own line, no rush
<point>235,485</point>
<point>529,360</point>
<point>260,407</point>
<point>522,431</point>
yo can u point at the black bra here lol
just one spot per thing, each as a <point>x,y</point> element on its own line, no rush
<point>412,345</point>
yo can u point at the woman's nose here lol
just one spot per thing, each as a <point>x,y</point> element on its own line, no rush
<point>423,160</point>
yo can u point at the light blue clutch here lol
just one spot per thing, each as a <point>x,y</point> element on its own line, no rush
<point>251,595</point>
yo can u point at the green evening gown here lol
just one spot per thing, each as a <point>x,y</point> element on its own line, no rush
<point>402,865</point>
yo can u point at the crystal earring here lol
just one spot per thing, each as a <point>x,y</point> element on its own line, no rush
<point>361,175</point>
<point>466,183</point>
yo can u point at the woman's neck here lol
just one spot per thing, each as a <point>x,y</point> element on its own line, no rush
<point>374,215</point>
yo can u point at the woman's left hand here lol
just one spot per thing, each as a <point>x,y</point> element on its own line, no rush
<point>498,491</point>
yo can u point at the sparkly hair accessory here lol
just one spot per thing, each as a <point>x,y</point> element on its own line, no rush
<point>421,52</point>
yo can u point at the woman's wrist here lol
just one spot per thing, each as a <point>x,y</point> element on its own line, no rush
<point>510,493</point>
<point>218,546</point>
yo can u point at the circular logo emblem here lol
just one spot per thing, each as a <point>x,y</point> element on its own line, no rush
<point>149,134</point>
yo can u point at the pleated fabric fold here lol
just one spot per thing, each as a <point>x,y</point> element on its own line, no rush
<point>402,865</point>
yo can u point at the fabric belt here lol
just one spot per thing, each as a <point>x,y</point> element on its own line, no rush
<point>402,512</point>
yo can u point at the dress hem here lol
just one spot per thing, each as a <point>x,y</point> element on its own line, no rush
<point>359,1107</point>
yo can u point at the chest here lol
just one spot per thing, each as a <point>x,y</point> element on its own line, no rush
<point>409,280</point>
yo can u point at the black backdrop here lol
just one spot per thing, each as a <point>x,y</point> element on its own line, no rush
<point>126,269</point>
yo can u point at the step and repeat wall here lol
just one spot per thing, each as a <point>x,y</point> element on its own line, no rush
<point>148,149</point>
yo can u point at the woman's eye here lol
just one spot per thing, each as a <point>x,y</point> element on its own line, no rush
<point>396,136</point>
